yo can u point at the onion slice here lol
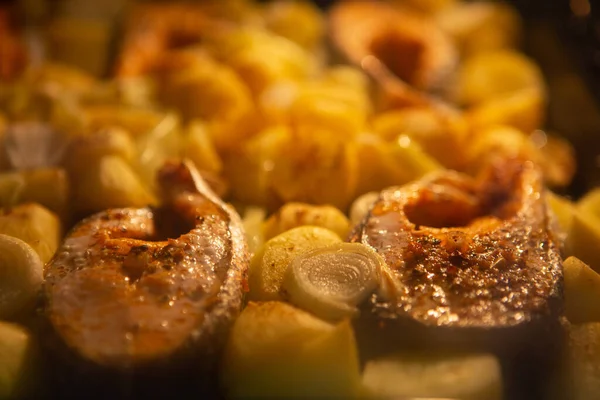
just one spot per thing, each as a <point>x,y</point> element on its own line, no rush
<point>331,281</point>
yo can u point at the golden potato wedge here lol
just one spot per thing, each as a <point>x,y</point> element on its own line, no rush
<point>590,203</point>
<point>583,361</point>
<point>460,376</point>
<point>498,140</point>
<point>269,264</point>
<point>523,110</point>
<point>86,150</point>
<point>299,21</point>
<point>110,183</point>
<point>315,166</point>
<point>278,351</point>
<point>330,106</point>
<point>490,75</point>
<point>582,292</point>
<point>384,164</point>
<point>478,27</point>
<point>584,237</point>
<point>35,225</point>
<point>441,135</point>
<point>199,148</point>
<point>361,207</point>
<point>563,210</point>
<point>249,169</point>
<point>49,187</point>
<point>253,220</point>
<point>293,215</point>
<point>20,372</point>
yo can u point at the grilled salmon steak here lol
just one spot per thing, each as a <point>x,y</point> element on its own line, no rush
<point>132,287</point>
<point>474,261</point>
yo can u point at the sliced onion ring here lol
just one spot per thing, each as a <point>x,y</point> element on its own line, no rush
<point>331,281</point>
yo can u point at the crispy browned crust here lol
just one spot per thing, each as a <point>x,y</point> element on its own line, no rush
<point>466,253</point>
<point>120,296</point>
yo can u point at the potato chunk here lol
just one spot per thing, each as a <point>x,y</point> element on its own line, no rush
<point>469,377</point>
<point>584,237</point>
<point>110,183</point>
<point>293,215</point>
<point>582,292</point>
<point>300,21</point>
<point>269,264</point>
<point>583,361</point>
<point>49,187</point>
<point>278,351</point>
<point>35,225</point>
<point>440,135</point>
<point>20,374</point>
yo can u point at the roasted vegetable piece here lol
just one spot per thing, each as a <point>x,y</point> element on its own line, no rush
<point>108,183</point>
<point>496,74</point>
<point>137,288</point>
<point>37,226</point>
<point>477,27</point>
<point>331,281</point>
<point>456,247</point>
<point>583,239</point>
<point>49,187</point>
<point>293,215</point>
<point>254,218</point>
<point>441,134</point>
<point>278,351</point>
<point>21,277</point>
<point>199,148</point>
<point>582,292</point>
<point>583,361</point>
<point>20,363</point>
<point>460,376</point>
<point>270,263</point>
<point>299,21</point>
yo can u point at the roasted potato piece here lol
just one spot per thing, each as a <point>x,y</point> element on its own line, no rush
<point>278,351</point>
<point>584,237</point>
<point>582,292</point>
<point>499,141</point>
<point>477,27</point>
<point>563,210</point>
<point>249,169</point>
<point>86,150</point>
<point>361,207</point>
<point>583,361</point>
<point>558,158</point>
<point>460,376</point>
<point>293,215</point>
<point>490,75</point>
<point>441,135</point>
<point>49,187</point>
<point>523,110</point>
<point>262,58</point>
<point>110,183</point>
<point>199,148</point>
<point>299,21</point>
<point>212,92</point>
<point>253,220</point>
<point>20,375</point>
<point>276,101</point>
<point>315,166</point>
<point>330,106</point>
<point>590,203</point>
<point>348,76</point>
<point>384,164</point>
<point>37,226</point>
<point>269,264</point>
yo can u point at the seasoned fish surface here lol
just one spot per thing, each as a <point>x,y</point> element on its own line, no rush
<point>121,296</point>
<point>466,252</point>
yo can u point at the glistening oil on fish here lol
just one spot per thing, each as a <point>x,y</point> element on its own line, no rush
<point>477,263</point>
<point>131,289</point>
